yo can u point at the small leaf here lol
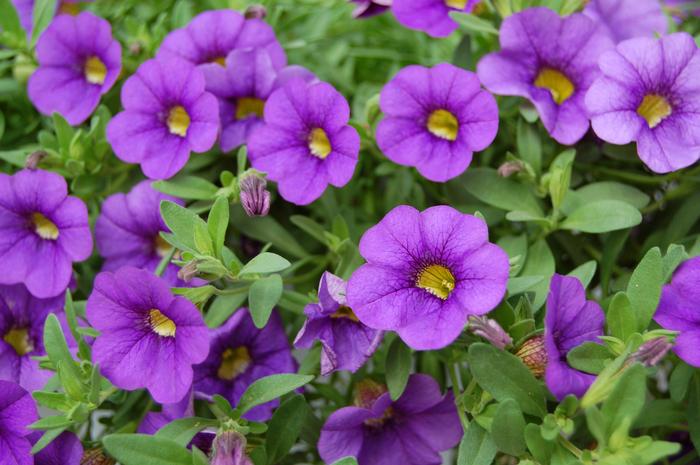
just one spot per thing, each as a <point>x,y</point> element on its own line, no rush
<point>266,262</point>
<point>46,439</point>
<point>140,449</point>
<point>620,319</point>
<point>508,428</point>
<point>602,216</point>
<point>181,222</point>
<point>223,306</point>
<point>472,23</point>
<point>398,367</point>
<point>644,287</point>
<point>263,296</point>
<point>187,187</point>
<point>9,20</point>
<point>476,447</point>
<point>42,14</point>
<point>183,430</point>
<point>589,357</point>
<point>269,388</point>
<point>506,194</point>
<point>625,402</point>
<point>285,426</point>
<point>217,223</point>
<point>346,461</point>
<point>585,272</point>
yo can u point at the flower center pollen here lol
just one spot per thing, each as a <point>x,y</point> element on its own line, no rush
<point>319,144</point>
<point>459,4</point>
<point>437,280</point>
<point>233,363</point>
<point>161,324</point>
<point>44,227</point>
<point>95,71</point>
<point>249,106</point>
<point>654,109</point>
<point>221,61</point>
<point>19,339</point>
<point>345,312</point>
<point>178,121</point>
<point>443,124</point>
<point>556,83</point>
<point>161,246</point>
<point>69,8</point>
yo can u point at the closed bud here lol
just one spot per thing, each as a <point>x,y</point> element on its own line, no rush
<point>188,272</point>
<point>510,168</point>
<point>490,330</point>
<point>229,449</point>
<point>651,352</point>
<point>34,159</point>
<point>255,12</point>
<point>534,355</point>
<point>255,198</point>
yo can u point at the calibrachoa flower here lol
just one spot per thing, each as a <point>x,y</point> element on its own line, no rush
<point>306,142</point>
<point>570,321</point>
<point>148,337</point>
<point>625,19</point>
<point>208,39</point>
<point>167,114</point>
<point>66,449</point>
<point>127,232</point>
<point>431,16</point>
<point>435,119</point>
<point>240,354</point>
<point>79,60</point>
<point>677,310</point>
<point>346,343</point>
<point>550,60</point>
<point>411,430</point>
<point>44,230</point>
<point>426,272</point>
<point>22,319</point>
<point>17,411</point>
<point>367,8</point>
<point>649,93</point>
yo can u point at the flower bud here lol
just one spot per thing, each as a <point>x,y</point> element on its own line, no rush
<point>534,355</point>
<point>255,12</point>
<point>651,352</point>
<point>490,330</point>
<point>229,449</point>
<point>510,168</point>
<point>96,456</point>
<point>34,159</point>
<point>188,272</point>
<point>255,198</point>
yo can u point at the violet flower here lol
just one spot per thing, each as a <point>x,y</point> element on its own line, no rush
<point>17,411</point>
<point>625,19</point>
<point>369,8</point>
<point>430,16</point>
<point>66,449</point>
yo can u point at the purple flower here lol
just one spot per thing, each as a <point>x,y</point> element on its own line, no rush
<point>148,337</point>
<point>551,61</point>
<point>17,411</point>
<point>167,114</point>
<point>570,321</point>
<point>625,19</point>
<point>306,142</point>
<point>208,39</point>
<point>79,60</point>
<point>435,119</point>
<point>44,230</point>
<point>346,343</point>
<point>426,272</point>
<point>677,310</point>
<point>128,230</point>
<point>368,8</point>
<point>431,16</point>
<point>240,354</point>
<point>411,430</point>
<point>649,93</point>
<point>66,449</point>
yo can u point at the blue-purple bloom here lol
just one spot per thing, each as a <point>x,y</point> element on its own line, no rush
<point>625,19</point>
<point>426,272</point>
<point>79,61</point>
<point>66,449</point>
<point>346,342</point>
<point>17,411</point>
<point>431,16</point>
<point>44,230</point>
<point>368,8</point>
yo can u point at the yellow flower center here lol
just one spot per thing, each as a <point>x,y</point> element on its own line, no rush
<point>161,324</point>
<point>654,109</point>
<point>319,144</point>
<point>69,8</point>
<point>19,339</point>
<point>95,71</point>
<point>443,124</point>
<point>437,280</point>
<point>249,106</point>
<point>44,227</point>
<point>178,121</point>
<point>162,247</point>
<point>556,83</point>
<point>345,312</point>
<point>233,363</point>
<point>221,61</point>
<point>459,4</point>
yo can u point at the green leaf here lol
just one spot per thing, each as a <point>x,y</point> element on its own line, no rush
<point>560,176</point>
<point>473,24</point>
<point>140,449</point>
<point>187,187</point>
<point>181,222</point>
<point>269,388</point>
<point>46,439</point>
<point>217,223</point>
<point>606,190</point>
<point>284,428</point>
<point>602,216</point>
<point>346,461</point>
<point>51,422</point>
<point>266,262</point>
<point>675,255</point>
<point>476,447</point>
<point>589,357</point>
<point>183,430</point>
<point>508,428</point>
<point>540,449</point>
<point>267,229</point>
<point>310,227</point>
<point>398,367</point>
<point>263,296</point>
<point>57,348</point>
<point>540,262</point>
<point>585,272</point>
<point>42,14</point>
<point>620,319</point>
<point>693,411</point>
<point>644,287</point>
<point>680,381</point>
<point>64,133</point>
<point>506,377</point>
<point>223,306</point>
<point>625,403</point>
<point>506,194</point>
<point>529,145</point>
<point>9,20</point>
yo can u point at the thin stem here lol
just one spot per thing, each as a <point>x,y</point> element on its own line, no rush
<point>568,445</point>
<point>454,378</point>
<point>164,262</point>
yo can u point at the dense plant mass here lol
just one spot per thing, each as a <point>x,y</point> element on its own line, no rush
<point>370,232</point>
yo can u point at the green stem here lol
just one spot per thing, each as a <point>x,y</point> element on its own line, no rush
<point>454,378</point>
<point>164,262</point>
<point>568,445</point>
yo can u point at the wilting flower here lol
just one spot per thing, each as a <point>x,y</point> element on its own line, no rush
<point>570,321</point>
<point>346,342</point>
<point>44,230</point>
<point>431,16</point>
<point>677,310</point>
<point>435,119</point>
<point>148,337</point>
<point>229,449</point>
<point>25,10</point>
<point>367,8</point>
<point>550,60</point>
<point>208,39</point>
<point>240,354</point>
<point>625,19</point>
<point>79,60</point>
<point>255,198</point>
<point>66,449</point>
<point>167,114</point>
<point>426,272</point>
<point>413,429</point>
<point>306,142</point>
<point>22,319</point>
<point>127,232</point>
<point>17,411</point>
<point>490,330</point>
<point>649,93</point>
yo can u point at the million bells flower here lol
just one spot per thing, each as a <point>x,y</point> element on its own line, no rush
<point>650,93</point>
<point>17,411</point>
<point>426,272</point>
<point>431,16</point>
<point>44,230</point>
<point>148,337</point>
<point>79,61</point>
<point>625,19</point>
